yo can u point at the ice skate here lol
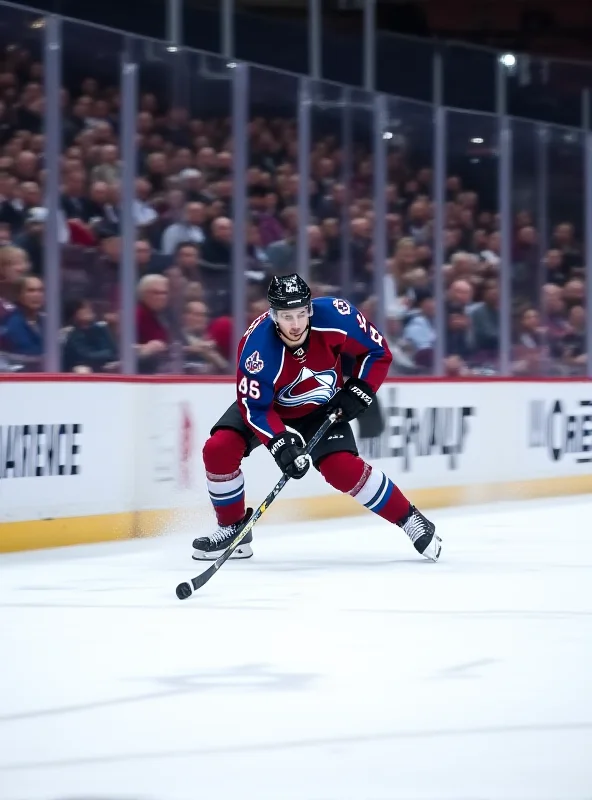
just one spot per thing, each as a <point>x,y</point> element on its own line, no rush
<point>208,548</point>
<point>422,533</point>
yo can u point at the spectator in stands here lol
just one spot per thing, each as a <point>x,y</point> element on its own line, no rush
<point>530,354</point>
<point>216,252</point>
<point>88,345</point>
<point>31,239</point>
<point>200,351</point>
<point>485,319</point>
<point>575,355</point>
<point>459,338</point>
<point>574,293</point>
<point>23,328</point>
<point>10,213</point>
<point>14,265</point>
<point>74,200</point>
<point>191,229</point>
<point>420,330</point>
<point>564,241</point>
<point>555,319</point>
<point>108,170</point>
<point>152,324</point>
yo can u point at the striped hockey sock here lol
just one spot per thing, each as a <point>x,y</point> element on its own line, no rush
<point>227,493</point>
<point>378,493</point>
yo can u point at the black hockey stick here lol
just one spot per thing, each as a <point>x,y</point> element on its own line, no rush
<point>185,590</point>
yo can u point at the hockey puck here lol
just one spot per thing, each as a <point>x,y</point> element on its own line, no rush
<point>184,591</point>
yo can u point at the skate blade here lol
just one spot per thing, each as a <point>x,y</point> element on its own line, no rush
<point>433,550</point>
<point>242,551</point>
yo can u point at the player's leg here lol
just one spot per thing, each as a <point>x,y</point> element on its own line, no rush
<point>336,457</point>
<point>230,441</point>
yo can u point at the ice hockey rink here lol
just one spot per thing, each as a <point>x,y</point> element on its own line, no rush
<point>335,664</point>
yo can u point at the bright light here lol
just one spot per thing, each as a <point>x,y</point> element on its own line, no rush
<point>172,49</point>
<point>39,23</point>
<point>231,65</point>
<point>508,60</point>
<point>387,135</point>
<point>477,141</point>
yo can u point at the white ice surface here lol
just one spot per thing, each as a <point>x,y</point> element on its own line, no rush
<point>336,664</point>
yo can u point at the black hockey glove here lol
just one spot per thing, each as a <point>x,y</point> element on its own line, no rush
<point>288,452</point>
<point>353,399</point>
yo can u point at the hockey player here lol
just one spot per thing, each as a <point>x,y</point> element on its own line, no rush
<point>288,379</point>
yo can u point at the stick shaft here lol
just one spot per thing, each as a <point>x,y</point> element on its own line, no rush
<point>205,576</point>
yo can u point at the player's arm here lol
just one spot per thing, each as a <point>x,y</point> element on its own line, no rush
<point>255,397</point>
<point>372,357</point>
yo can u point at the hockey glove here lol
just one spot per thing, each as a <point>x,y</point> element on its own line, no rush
<point>353,399</point>
<point>288,452</point>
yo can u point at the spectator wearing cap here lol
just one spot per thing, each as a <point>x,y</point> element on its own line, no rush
<point>190,230</point>
<point>88,346</point>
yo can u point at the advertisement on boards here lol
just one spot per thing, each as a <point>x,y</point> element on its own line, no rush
<point>39,450</point>
<point>413,428</point>
<point>561,428</point>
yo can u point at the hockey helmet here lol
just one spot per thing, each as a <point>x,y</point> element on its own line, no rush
<point>288,291</point>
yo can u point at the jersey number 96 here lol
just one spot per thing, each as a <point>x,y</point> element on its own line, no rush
<point>250,388</point>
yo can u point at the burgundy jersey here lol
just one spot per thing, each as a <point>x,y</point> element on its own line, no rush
<point>276,384</point>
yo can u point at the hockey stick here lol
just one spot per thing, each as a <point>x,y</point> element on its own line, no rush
<point>185,590</point>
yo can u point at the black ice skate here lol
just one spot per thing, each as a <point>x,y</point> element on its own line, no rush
<point>208,548</point>
<point>422,533</point>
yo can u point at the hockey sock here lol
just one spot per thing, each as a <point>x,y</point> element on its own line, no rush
<point>370,486</point>
<point>222,455</point>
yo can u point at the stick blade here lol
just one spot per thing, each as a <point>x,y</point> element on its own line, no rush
<point>202,579</point>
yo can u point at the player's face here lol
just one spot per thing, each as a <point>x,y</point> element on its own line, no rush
<point>293,323</point>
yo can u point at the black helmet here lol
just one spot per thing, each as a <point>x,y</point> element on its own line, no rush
<point>288,291</point>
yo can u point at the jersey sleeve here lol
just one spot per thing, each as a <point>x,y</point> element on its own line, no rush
<point>255,391</point>
<point>366,344</point>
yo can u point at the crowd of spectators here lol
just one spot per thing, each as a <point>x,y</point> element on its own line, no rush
<point>184,247</point>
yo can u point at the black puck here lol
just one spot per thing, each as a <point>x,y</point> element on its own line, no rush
<point>184,591</point>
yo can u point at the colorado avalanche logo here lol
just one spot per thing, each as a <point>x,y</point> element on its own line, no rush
<point>254,363</point>
<point>309,387</point>
<point>343,307</point>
